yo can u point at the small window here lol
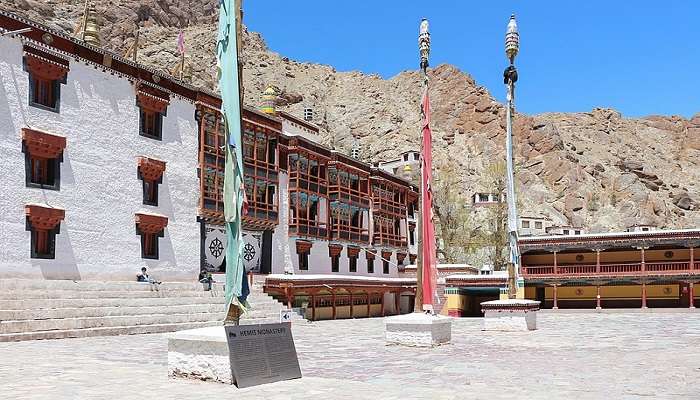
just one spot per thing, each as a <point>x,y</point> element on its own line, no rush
<point>335,264</point>
<point>526,224</point>
<point>412,236</point>
<point>150,192</point>
<point>42,172</point>
<point>645,229</point>
<point>43,243</point>
<point>538,224</point>
<point>151,124</point>
<point>578,232</point>
<point>44,93</point>
<point>405,157</point>
<point>353,264</point>
<point>385,268</point>
<point>483,198</point>
<point>303,261</point>
<point>566,231</point>
<point>370,265</point>
<point>149,245</point>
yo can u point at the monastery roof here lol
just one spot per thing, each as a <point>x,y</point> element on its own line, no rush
<point>610,239</point>
<point>58,42</point>
<point>66,45</point>
<point>331,278</point>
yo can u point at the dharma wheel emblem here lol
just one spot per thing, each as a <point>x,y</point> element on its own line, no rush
<point>579,292</point>
<point>248,252</point>
<point>216,247</point>
<point>667,290</point>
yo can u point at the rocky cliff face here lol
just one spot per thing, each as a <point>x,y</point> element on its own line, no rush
<point>595,169</point>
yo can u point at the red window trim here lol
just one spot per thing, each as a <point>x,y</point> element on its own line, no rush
<point>303,246</point>
<point>151,223</point>
<point>45,66</point>
<point>44,218</point>
<point>334,250</point>
<point>353,251</point>
<point>43,145</point>
<point>151,102</point>
<point>400,257</point>
<point>150,168</point>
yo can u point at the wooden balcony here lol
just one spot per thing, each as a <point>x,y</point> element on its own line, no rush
<point>355,197</point>
<point>612,270</point>
<point>350,233</point>
<point>384,239</point>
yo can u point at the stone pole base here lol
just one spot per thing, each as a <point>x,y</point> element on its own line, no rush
<point>418,330</point>
<point>199,354</point>
<point>510,315</point>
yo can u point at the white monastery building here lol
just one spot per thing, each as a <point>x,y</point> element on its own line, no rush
<point>108,166</point>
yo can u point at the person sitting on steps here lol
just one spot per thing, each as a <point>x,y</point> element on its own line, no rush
<point>143,277</point>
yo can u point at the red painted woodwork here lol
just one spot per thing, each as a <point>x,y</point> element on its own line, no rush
<point>353,251</point>
<point>149,223</point>
<point>150,168</point>
<point>400,257</point>
<point>212,160</point>
<point>45,66</point>
<point>612,269</point>
<point>150,102</point>
<point>43,145</point>
<point>334,250</point>
<point>44,218</point>
<point>303,246</point>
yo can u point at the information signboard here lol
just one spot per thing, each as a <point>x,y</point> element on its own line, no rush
<point>262,353</point>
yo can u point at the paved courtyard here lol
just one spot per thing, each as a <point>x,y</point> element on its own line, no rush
<point>571,356</point>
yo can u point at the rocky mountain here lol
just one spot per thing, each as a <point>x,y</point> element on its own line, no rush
<point>595,169</point>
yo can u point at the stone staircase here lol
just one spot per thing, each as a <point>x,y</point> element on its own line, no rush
<point>42,309</point>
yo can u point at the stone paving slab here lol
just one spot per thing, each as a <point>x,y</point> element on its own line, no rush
<point>570,356</point>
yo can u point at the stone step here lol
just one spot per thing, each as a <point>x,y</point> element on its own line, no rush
<point>39,304</point>
<point>37,284</point>
<point>95,294</point>
<point>83,312</point>
<point>109,331</point>
<point>104,322</point>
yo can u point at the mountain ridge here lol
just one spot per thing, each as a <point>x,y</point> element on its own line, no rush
<point>594,169</point>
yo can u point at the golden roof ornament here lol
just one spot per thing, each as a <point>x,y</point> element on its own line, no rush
<point>89,28</point>
<point>268,100</point>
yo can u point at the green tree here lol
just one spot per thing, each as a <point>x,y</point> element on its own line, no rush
<point>495,237</point>
<point>452,217</point>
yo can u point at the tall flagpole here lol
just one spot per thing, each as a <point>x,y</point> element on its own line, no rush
<point>424,48</point>
<point>510,76</point>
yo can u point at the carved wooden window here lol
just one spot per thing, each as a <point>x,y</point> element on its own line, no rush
<point>150,171</point>
<point>150,227</point>
<point>353,253</point>
<point>303,250</point>
<point>152,108</point>
<point>212,160</point>
<point>261,173</point>
<point>43,156</point>
<point>43,223</point>
<point>46,74</point>
<point>386,255</point>
<point>334,252</point>
<point>370,261</point>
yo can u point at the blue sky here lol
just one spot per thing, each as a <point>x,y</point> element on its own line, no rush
<point>640,57</point>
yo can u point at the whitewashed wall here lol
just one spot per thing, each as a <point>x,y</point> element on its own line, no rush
<point>100,189</point>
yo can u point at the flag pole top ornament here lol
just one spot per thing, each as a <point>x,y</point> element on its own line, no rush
<point>424,43</point>
<point>512,39</point>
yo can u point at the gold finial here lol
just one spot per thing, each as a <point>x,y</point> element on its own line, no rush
<point>90,29</point>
